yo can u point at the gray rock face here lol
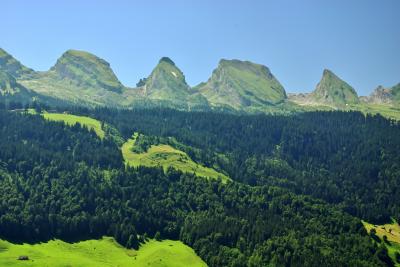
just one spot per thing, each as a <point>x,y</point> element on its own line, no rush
<point>381,95</point>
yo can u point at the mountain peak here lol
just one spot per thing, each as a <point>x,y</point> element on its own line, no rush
<point>166,67</point>
<point>12,66</point>
<point>334,91</point>
<point>166,82</point>
<point>87,70</point>
<point>72,55</point>
<point>242,84</point>
<point>167,60</point>
<point>224,62</point>
<point>328,72</point>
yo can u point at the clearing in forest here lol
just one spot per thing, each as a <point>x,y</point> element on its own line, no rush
<point>392,233</point>
<point>166,156</point>
<point>71,120</point>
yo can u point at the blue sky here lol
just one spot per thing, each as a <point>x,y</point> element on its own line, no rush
<point>359,40</point>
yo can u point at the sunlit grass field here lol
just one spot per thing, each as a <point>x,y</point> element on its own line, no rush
<point>99,253</point>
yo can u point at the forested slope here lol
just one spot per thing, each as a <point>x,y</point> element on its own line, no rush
<point>65,182</point>
<point>345,158</point>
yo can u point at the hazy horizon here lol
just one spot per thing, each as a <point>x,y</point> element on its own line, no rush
<point>357,40</point>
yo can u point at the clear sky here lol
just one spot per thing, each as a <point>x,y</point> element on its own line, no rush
<point>359,40</point>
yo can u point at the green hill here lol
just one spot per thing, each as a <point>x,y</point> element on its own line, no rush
<point>165,156</point>
<point>334,91</point>
<point>242,85</point>
<point>99,253</point>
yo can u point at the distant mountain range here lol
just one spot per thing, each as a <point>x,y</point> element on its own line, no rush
<point>82,78</point>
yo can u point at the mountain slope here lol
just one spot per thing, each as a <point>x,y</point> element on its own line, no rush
<point>11,90</point>
<point>334,91</point>
<point>234,223</point>
<point>12,66</point>
<point>241,85</point>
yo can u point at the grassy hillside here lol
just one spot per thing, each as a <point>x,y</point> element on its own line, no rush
<point>388,111</point>
<point>392,232</point>
<point>99,253</point>
<point>12,66</point>
<point>73,119</point>
<point>166,156</point>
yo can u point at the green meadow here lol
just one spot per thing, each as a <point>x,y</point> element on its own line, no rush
<point>71,120</point>
<point>166,156</point>
<point>392,233</point>
<point>388,111</point>
<point>99,253</point>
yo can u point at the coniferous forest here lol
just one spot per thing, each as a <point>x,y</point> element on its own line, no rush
<point>301,184</point>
